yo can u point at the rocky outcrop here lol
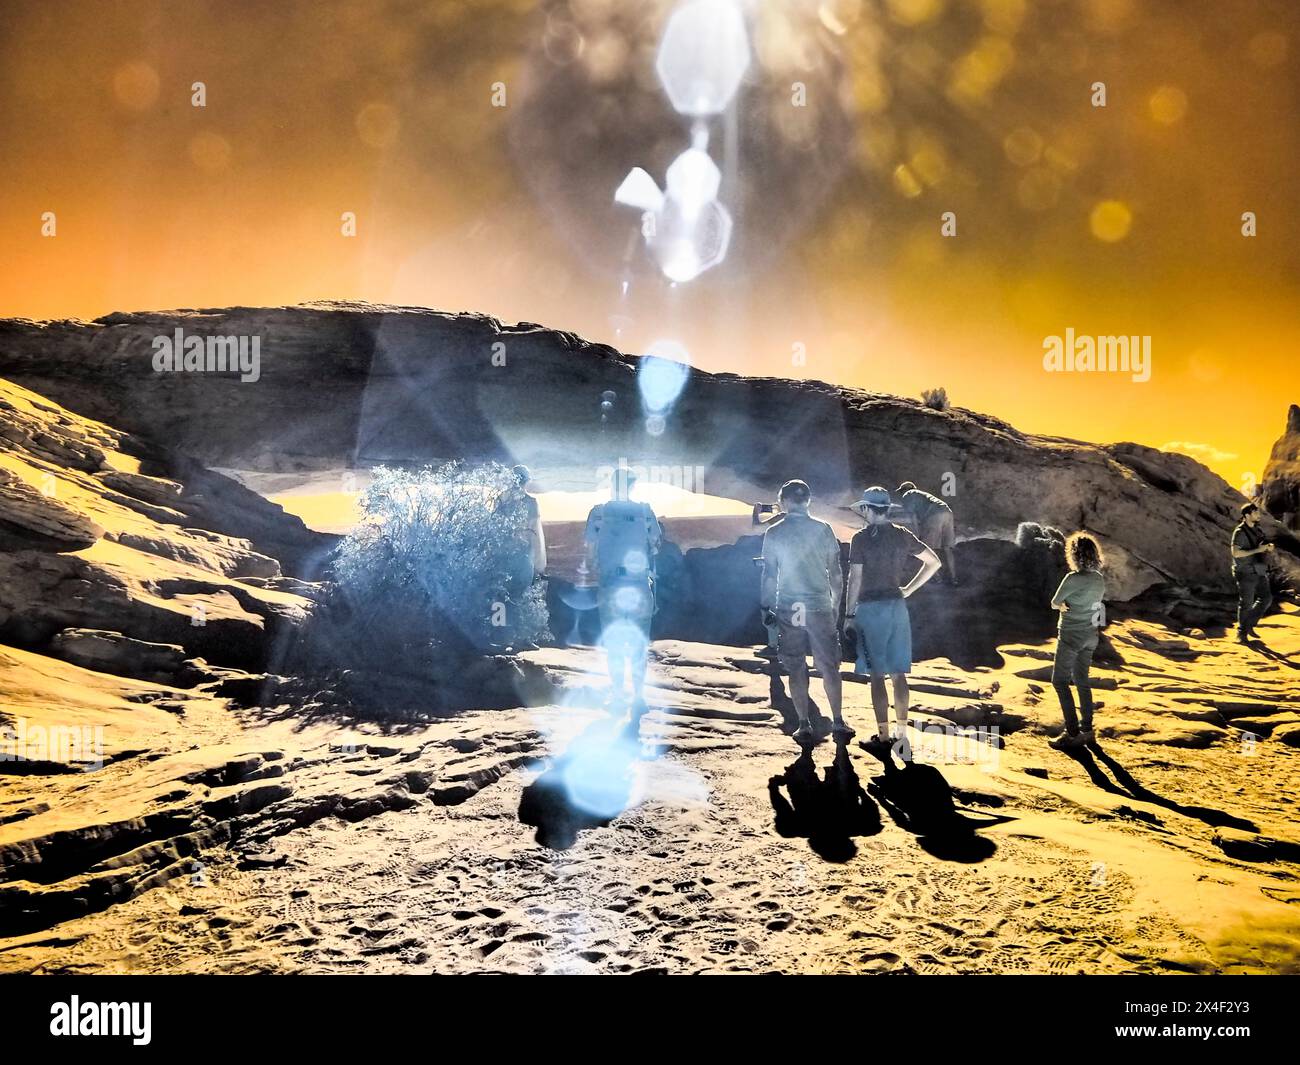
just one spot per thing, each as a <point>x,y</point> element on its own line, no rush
<point>1280,495</point>
<point>1280,487</point>
<point>343,385</point>
<point>120,556</point>
<point>111,652</point>
<point>264,835</point>
<point>29,518</point>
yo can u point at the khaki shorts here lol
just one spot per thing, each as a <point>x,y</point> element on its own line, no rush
<point>817,636</point>
<point>938,531</point>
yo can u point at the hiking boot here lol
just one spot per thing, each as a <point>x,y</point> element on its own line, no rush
<point>1066,741</point>
<point>804,736</point>
<point>1088,736</point>
<point>842,731</point>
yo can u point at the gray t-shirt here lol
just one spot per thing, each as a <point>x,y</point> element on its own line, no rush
<point>802,555</point>
<point>1082,593</point>
<point>1247,538</point>
<point>922,505</point>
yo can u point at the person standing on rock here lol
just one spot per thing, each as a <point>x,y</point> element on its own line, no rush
<point>1079,599</point>
<point>802,583</point>
<point>877,556</point>
<point>527,564</point>
<point>935,525</point>
<point>1250,553</point>
<point>536,532</point>
<point>622,539</point>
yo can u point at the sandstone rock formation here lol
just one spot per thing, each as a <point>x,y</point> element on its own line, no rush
<point>345,385</point>
<point>251,842</point>
<point>243,822</point>
<point>118,555</point>
<point>111,652</point>
<point>1281,484</point>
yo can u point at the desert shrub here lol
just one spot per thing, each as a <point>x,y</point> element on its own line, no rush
<point>935,398</point>
<point>1044,557</point>
<point>1029,531</point>
<point>436,573</point>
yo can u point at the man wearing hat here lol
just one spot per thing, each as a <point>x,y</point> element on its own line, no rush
<point>934,524</point>
<point>878,555</point>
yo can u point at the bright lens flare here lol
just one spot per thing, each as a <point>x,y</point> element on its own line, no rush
<point>662,375</point>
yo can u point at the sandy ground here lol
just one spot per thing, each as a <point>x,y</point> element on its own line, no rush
<point>558,839</point>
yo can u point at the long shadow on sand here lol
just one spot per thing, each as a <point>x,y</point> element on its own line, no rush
<point>1276,656</point>
<point>588,786</point>
<point>828,811</point>
<point>920,800</point>
<point>1127,785</point>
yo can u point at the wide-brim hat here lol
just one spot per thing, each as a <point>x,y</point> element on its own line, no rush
<point>875,496</point>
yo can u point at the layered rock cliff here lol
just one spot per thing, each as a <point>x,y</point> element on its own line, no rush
<point>1281,484</point>
<point>117,554</point>
<point>342,385</point>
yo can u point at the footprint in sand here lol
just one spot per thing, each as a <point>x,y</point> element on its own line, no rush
<point>907,899</point>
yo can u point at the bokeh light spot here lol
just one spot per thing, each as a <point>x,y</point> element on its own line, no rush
<point>979,71</point>
<point>1023,146</point>
<point>914,12</point>
<point>377,125</point>
<point>1110,221</point>
<point>561,41</point>
<point>838,15</point>
<point>905,182</point>
<point>135,86</point>
<point>210,152</point>
<point>1168,104</point>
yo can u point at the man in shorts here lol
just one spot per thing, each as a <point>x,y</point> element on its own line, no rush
<point>802,582</point>
<point>935,525</point>
<point>877,557</point>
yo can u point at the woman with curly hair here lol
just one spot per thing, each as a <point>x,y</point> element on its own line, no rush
<point>1079,599</point>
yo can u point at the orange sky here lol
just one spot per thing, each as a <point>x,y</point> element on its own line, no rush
<point>916,107</point>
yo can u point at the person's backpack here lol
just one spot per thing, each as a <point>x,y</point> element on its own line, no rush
<point>623,546</point>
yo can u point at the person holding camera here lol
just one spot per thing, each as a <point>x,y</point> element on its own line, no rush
<point>1250,567</point>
